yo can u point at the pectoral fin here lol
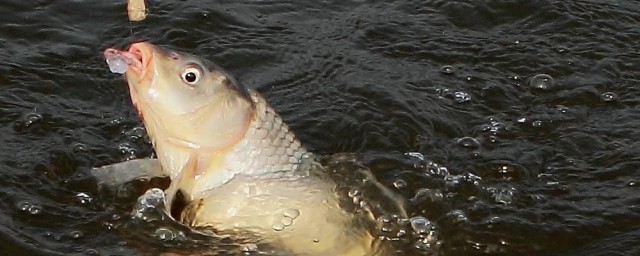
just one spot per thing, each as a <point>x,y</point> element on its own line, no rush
<point>121,173</point>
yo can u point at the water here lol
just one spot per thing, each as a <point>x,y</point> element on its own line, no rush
<point>507,168</point>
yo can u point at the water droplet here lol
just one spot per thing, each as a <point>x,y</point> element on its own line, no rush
<point>84,198</point>
<point>447,69</point>
<point>461,97</point>
<point>400,184</point>
<point>286,221</point>
<point>608,97</point>
<point>468,142</point>
<point>278,226</point>
<point>292,213</point>
<point>541,82</point>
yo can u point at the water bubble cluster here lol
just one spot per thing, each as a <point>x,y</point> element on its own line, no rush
<point>457,180</point>
<point>502,195</point>
<point>128,150</point>
<point>30,208</point>
<point>288,215</point>
<point>494,127</point>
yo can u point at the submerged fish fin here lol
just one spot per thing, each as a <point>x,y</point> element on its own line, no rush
<point>121,173</point>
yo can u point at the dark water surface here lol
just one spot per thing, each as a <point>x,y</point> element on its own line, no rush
<point>515,162</point>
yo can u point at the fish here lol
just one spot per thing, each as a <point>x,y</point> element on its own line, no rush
<point>231,158</point>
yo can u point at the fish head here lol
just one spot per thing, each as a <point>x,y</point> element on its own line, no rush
<point>185,102</point>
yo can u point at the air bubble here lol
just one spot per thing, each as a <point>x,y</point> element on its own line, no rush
<point>468,142</point>
<point>354,192</point>
<point>458,216</point>
<point>447,69</point>
<point>79,147</point>
<point>536,123</point>
<point>165,234</point>
<point>608,97</point>
<point>420,225</point>
<point>400,184</point>
<point>76,234</point>
<point>541,82</point>
<point>562,109</point>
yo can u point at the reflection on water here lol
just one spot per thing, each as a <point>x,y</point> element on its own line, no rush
<point>510,128</point>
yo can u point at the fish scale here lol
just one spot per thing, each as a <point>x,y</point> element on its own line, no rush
<point>273,147</point>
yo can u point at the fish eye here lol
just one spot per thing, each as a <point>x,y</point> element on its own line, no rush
<point>191,75</point>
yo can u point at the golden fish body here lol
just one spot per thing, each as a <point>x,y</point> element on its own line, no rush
<point>233,160</point>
